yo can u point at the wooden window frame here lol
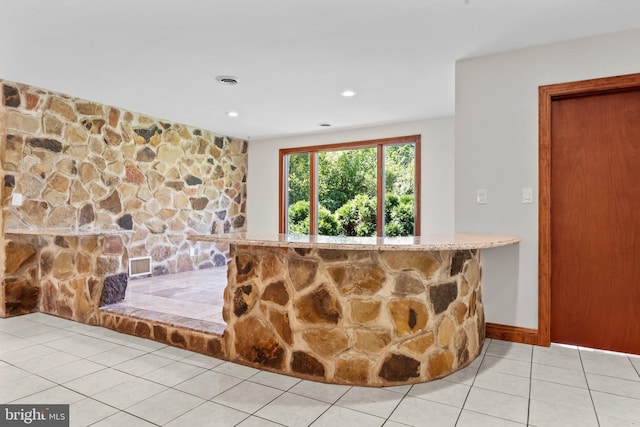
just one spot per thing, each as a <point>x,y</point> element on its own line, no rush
<point>313,151</point>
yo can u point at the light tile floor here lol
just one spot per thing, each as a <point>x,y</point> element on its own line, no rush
<point>111,379</point>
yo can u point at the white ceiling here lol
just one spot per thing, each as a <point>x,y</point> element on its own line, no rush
<point>292,57</point>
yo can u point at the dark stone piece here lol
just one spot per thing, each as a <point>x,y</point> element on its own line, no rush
<point>412,318</point>
<point>178,339</point>
<point>219,142</point>
<point>210,160</point>
<point>238,221</point>
<point>61,241</point>
<point>193,180</point>
<point>142,330</point>
<point>227,227</point>
<point>9,181</point>
<point>197,132</point>
<point>240,306</point>
<point>160,270</point>
<point>11,96</point>
<point>112,203</point>
<point>214,228</point>
<point>146,155</point>
<point>46,143</point>
<point>199,203</point>
<point>94,125</point>
<point>114,288</point>
<point>147,134</point>
<point>126,222</point>
<point>221,214</point>
<point>46,263</point>
<point>160,333</point>
<point>87,215</point>
<point>205,265</point>
<point>398,367</point>
<point>176,185</point>
<point>20,297</point>
<point>220,260</point>
<point>302,251</point>
<point>457,263</point>
<point>330,255</point>
<point>165,125</point>
<point>218,172</point>
<point>304,363</point>
<point>276,292</point>
<point>442,295</point>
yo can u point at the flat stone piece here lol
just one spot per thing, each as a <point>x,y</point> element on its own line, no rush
<point>420,344</point>
<point>358,279</point>
<point>306,364</point>
<point>20,297</point>
<point>255,343</point>
<point>353,370</point>
<point>422,262</point>
<point>364,311</point>
<point>442,295</point>
<point>146,154</point>
<point>246,265</point>
<point>458,260</point>
<point>125,222</point>
<point>17,254</point>
<point>319,306</point>
<point>276,292</point>
<point>302,272</point>
<point>147,133</point>
<point>439,364</point>
<point>113,289</point>
<point>63,265</point>
<point>63,108</point>
<point>11,96</point>
<point>112,203</point>
<point>271,265</point>
<point>408,284</point>
<point>445,332</point>
<point>133,174</point>
<point>398,367</point>
<point>326,342</point>
<point>87,215</point>
<point>46,143</point>
<point>243,300</point>
<point>280,322</point>
<point>372,341</point>
<point>331,255</point>
<point>409,316</point>
<point>94,125</point>
<point>199,203</point>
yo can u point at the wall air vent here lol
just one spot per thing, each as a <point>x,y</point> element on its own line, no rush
<point>140,266</point>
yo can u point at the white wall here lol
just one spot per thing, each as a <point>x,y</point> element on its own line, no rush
<point>496,148</point>
<point>437,136</point>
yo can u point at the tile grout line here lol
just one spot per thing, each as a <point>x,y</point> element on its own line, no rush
<point>595,411</point>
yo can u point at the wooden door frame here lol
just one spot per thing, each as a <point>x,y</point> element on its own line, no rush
<point>546,95</point>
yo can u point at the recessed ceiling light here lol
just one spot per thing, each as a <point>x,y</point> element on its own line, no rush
<point>324,125</point>
<point>232,113</point>
<point>227,80</point>
<point>348,93</point>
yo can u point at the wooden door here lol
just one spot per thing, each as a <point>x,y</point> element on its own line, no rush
<point>595,220</point>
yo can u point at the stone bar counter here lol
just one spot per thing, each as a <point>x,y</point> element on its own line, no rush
<point>66,272</point>
<point>364,311</point>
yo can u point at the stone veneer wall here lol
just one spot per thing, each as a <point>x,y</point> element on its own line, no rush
<point>354,317</point>
<point>83,165</point>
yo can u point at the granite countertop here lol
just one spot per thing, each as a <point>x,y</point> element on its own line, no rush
<point>63,232</point>
<point>453,241</point>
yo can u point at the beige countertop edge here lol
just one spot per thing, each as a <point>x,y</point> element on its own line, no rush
<point>63,232</point>
<point>454,241</point>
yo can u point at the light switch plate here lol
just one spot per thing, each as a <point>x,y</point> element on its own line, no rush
<point>16,199</point>
<point>481,196</point>
<point>527,195</point>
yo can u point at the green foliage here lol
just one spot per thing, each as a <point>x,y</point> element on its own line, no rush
<point>327,222</point>
<point>344,174</point>
<point>347,191</point>
<point>401,218</point>
<point>299,180</point>
<point>299,220</point>
<point>357,217</point>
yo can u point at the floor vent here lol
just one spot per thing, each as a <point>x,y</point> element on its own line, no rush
<point>140,266</point>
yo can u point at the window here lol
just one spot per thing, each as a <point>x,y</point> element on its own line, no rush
<point>366,188</point>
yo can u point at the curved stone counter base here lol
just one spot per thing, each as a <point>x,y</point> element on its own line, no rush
<point>365,317</point>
